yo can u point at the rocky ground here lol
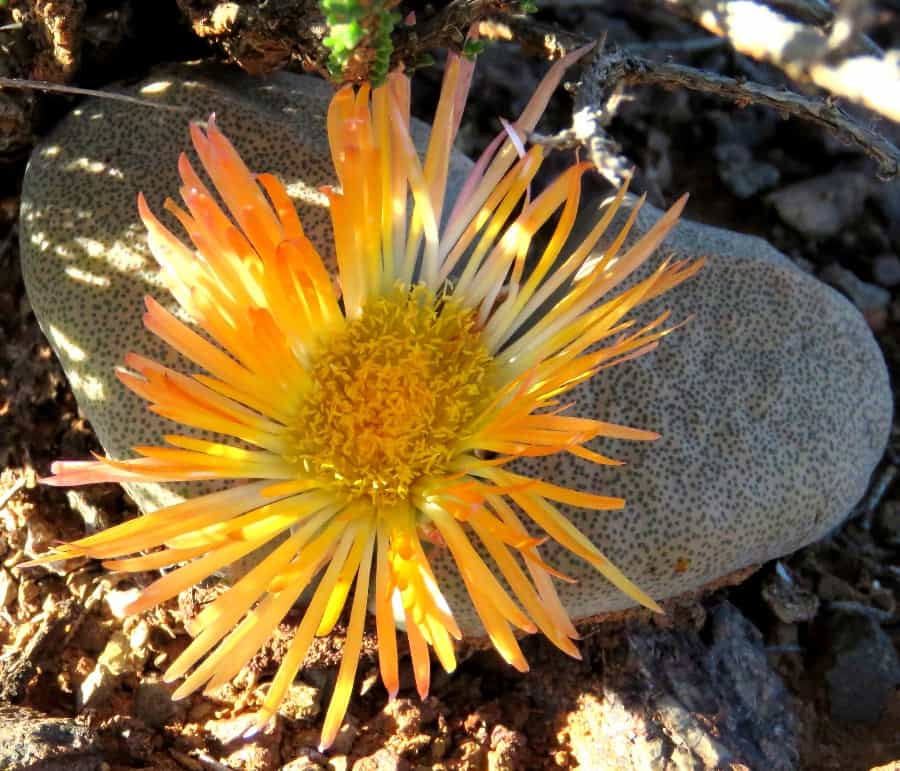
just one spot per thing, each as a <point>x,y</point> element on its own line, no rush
<point>795,668</point>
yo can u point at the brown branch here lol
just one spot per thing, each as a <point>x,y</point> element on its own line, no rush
<point>265,37</point>
<point>445,28</point>
<point>59,88</point>
<point>537,39</point>
<point>814,11</point>
<point>608,72</point>
<point>820,13</point>
<point>611,72</point>
<point>803,51</point>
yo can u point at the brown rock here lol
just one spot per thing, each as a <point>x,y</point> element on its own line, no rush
<point>382,760</point>
<point>30,740</point>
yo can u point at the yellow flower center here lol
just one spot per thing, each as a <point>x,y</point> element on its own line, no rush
<point>393,393</point>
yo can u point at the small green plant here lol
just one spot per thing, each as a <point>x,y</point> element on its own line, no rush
<point>354,22</point>
<point>472,48</point>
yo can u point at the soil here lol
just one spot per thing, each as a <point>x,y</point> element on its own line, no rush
<point>780,658</point>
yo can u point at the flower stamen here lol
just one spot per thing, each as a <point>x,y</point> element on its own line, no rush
<point>392,394</point>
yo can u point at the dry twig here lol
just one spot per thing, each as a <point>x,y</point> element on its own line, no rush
<point>59,88</point>
<point>445,28</point>
<point>820,13</point>
<point>610,72</point>
<point>805,52</point>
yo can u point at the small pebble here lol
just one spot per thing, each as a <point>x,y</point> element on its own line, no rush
<point>509,749</point>
<point>8,588</point>
<point>31,740</point>
<point>338,763</point>
<point>382,760</point>
<point>788,601</point>
<point>864,671</point>
<point>118,599</point>
<point>80,583</point>
<point>343,742</point>
<point>886,270</point>
<point>887,522</point>
<point>303,763</point>
<point>139,636</point>
<point>259,753</point>
<point>742,173</point>
<point>302,702</point>
<point>117,656</point>
<point>116,660</point>
<point>30,597</point>
<point>153,704</point>
<point>821,207</point>
<point>867,297</point>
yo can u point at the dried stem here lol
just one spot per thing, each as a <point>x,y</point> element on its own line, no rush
<point>611,72</point>
<point>58,88</point>
<point>820,13</point>
<point>804,51</point>
<point>445,28</point>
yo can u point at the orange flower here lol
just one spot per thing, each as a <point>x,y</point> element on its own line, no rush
<point>382,409</point>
